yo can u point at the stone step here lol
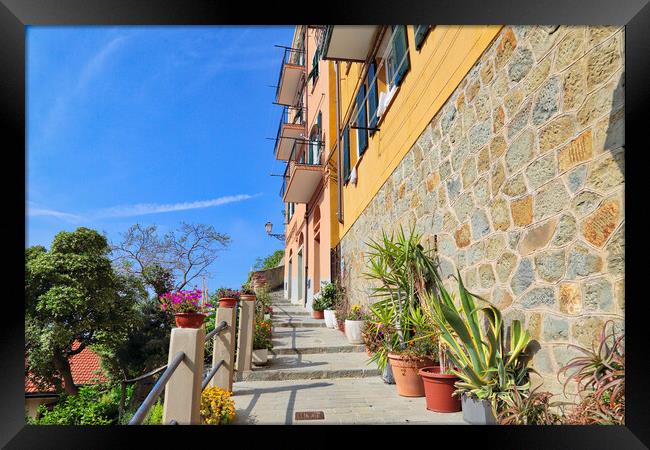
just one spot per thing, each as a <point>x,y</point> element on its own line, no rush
<point>281,313</point>
<point>299,324</point>
<point>314,367</point>
<point>309,350</point>
<point>311,340</point>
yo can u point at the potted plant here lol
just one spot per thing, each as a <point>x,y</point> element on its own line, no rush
<point>262,342</point>
<point>227,297</point>
<point>186,306</point>
<point>268,312</point>
<point>491,366</point>
<point>247,293</point>
<point>402,270</point>
<point>353,325</point>
<point>440,385</point>
<point>330,294</point>
<point>318,306</point>
<point>417,353</point>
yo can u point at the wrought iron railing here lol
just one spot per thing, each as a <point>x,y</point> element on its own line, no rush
<point>159,386</point>
<point>293,56</point>
<point>293,115</point>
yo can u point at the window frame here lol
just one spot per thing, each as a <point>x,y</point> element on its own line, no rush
<point>363,130</point>
<point>346,155</point>
<point>423,37</point>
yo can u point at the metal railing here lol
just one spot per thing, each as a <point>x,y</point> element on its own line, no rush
<point>292,115</point>
<point>157,389</point>
<point>160,384</point>
<point>293,56</point>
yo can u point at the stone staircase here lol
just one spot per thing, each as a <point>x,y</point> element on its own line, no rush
<point>305,349</point>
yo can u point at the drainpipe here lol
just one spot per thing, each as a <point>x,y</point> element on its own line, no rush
<point>339,184</point>
<point>306,45</point>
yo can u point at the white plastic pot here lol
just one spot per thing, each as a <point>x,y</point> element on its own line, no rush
<point>330,318</point>
<point>260,357</point>
<point>353,331</point>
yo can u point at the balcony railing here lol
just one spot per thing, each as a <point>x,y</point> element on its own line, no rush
<point>302,173</point>
<point>290,130</point>
<point>291,78</point>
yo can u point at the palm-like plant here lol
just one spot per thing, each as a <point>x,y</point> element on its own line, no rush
<point>488,368</point>
<point>404,270</point>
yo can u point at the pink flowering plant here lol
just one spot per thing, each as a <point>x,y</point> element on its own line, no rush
<point>184,302</point>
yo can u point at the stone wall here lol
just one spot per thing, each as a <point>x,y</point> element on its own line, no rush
<point>521,177</point>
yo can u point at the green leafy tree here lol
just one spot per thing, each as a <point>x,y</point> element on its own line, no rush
<point>72,294</point>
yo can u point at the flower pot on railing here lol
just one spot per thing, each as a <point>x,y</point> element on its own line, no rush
<point>330,318</point>
<point>189,320</point>
<point>405,372</point>
<point>260,356</point>
<point>438,390</point>
<point>227,302</point>
<point>247,297</point>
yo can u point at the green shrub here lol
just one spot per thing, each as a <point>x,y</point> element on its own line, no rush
<point>93,405</point>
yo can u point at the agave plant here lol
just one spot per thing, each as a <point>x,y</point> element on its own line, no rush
<point>488,368</point>
<point>534,408</point>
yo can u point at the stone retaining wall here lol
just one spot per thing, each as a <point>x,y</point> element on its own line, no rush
<point>521,177</point>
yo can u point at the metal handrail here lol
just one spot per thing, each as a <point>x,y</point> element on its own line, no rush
<point>157,389</point>
<point>212,373</point>
<point>222,326</point>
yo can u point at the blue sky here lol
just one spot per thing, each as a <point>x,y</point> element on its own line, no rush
<point>155,125</point>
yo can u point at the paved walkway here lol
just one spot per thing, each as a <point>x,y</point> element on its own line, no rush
<point>314,368</point>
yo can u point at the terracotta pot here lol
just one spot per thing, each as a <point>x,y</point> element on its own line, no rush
<point>405,371</point>
<point>247,297</point>
<point>227,302</point>
<point>318,314</point>
<point>438,390</point>
<point>189,320</point>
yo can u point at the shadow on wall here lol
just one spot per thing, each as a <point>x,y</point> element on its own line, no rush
<point>274,277</point>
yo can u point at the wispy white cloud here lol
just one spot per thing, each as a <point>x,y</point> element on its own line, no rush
<point>155,208</point>
<point>42,212</point>
<point>140,209</point>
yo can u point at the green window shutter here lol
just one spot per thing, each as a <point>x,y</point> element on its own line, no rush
<point>314,65</point>
<point>362,121</point>
<point>372,98</point>
<point>319,134</point>
<point>420,32</point>
<point>400,48</point>
<point>346,154</point>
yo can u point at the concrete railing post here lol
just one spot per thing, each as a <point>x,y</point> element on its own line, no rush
<point>245,336</point>
<point>183,390</point>
<point>224,348</point>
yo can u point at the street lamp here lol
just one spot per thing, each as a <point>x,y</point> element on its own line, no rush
<point>269,227</point>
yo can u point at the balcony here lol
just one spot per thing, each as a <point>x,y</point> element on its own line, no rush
<point>301,176</point>
<point>290,131</point>
<point>292,77</point>
<point>349,42</point>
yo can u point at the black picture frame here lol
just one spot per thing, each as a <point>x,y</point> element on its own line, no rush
<point>16,15</point>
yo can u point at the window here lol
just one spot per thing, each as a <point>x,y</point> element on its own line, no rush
<point>397,61</point>
<point>362,122</point>
<point>314,65</point>
<point>319,135</point>
<point>420,32</point>
<point>372,98</point>
<point>290,210</point>
<point>346,154</point>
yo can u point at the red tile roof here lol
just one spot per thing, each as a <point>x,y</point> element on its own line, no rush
<point>85,367</point>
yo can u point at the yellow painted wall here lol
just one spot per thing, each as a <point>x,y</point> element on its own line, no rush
<point>446,56</point>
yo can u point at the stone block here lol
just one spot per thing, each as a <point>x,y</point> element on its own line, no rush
<point>556,132</point>
<point>505,265</point>
<point>550,266</point>
<point>520,152</point>
<point>551,199</point>
<point>607,173</point>
<point>537,298</point>
<point>522,211</point>
<point>599,295</point>
<point>523,276</point>
<point>565,231</point>
<point>537,237</point>
<point>577,151</point>
<point>520,64</point>
<point>515,186</point>
<point>602,62</point>
<point>545,104</point>
<point>598,226</point>
<point>582,262</point>
<point>570,298</point>
<point>555,329</point>
<point>541,171</point>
